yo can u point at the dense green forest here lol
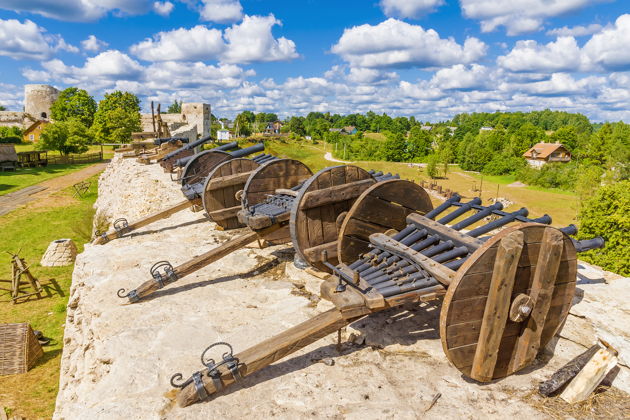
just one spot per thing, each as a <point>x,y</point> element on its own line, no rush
<point>491,143</point>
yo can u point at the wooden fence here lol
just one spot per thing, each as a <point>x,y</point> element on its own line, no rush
<point>71,159</point>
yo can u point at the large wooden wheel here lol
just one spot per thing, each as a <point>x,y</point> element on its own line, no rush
<point>220,188</point>
<point>508,300</point>
<point>264,181</point>
<point>382,207</point>
<point>324,198</point>
<point>199,166</point>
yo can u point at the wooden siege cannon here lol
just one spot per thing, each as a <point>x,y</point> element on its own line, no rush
<point>505,295</point>
<point>189,150</point>
<point>163,146</point>
<point>202,167</point>
<point>268,198</point>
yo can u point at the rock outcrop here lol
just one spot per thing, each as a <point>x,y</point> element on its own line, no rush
<point>118,358</point>
<point>59,253</point>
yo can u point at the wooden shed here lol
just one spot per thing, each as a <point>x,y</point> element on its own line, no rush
<point>8,157</point>
<point>32,158</point>
<point>19,348</point>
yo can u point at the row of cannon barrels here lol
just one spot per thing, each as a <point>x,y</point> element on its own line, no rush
<point>506,280</point>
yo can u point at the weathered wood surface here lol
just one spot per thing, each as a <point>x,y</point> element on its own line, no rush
<point>446,233</point>
<point>441,273</point>
<point>567,372</point>
<point>271,350</point>
<point>382,207</point>
<point>198,168</point>
<point>463,310</point>
<point>160,215</point>
<point>497,309</point>
<point>590,376</point>
<point>220,188</point>
<point>313,220</point>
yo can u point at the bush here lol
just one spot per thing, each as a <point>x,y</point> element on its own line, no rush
<point>11,139</point>
<point>606,214</point>
<point>501,165</point>
<point>551,175</point>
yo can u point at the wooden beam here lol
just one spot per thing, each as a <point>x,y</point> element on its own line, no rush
<point>497,308</point>
<point>542,289</point>
<point>112,234</point>
<point>228,181</point>
<point>315,252</point>
<point>286,191</point>
<point>441,273</point>
<point>271,350</point>
<point>446,233</point>
<point>335,194</point>
<point>224,213</point>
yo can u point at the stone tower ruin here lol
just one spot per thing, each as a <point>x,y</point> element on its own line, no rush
<point>38,99</point>
<point>197,114</point>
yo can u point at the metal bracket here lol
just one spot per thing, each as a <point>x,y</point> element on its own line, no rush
<point>121,226</point>
<point>132,295</point>
<point>166,276</point>
<point>102,235</point>
<point>213,371</point>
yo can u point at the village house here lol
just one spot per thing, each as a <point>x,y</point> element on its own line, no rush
<point>273,127</point>
<point>543,153</point>
<point>34,131</point>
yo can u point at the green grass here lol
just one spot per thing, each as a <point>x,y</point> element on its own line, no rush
<point>561,205</point>
<point>31,229</point>
<point>25,177</point>
<point>108,151</point>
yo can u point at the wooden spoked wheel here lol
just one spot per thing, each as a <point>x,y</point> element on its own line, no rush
<point>264,181</point>
<point>219,191</point>
<point>326,196</point>
<point>508,300</point>
<point>199,166</point>
<point>381,207</point>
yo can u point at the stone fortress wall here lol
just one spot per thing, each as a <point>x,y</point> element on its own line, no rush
<point>193,122</point>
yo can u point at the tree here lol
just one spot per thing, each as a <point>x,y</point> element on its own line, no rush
<point>175,108</point>
<point>73,103</point>
<point>242,124</point>
<point>419,142</point>
<point>567,136</point>
<point>606,214</point>
<point>432,165</point>
<point>118,115</point>
<point>69,136</point>
<point>2,108</point>
<point>395,148</point>
<point>296,125</point>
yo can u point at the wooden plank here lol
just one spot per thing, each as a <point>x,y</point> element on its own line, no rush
<point>315,253</point>
<point>567,372</point>
<point>497,307</point>
<point>542,292</point>
<point>407,194</point>
<point>228,180</point>
<point>362,229</point>
<point>224,213</point>
<point>441,273</point>
<point>335,194</point>
<point>375,210</point>
<point>593,373</point>
<point>445,233</point>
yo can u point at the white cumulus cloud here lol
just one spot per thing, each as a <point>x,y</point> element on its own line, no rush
<point>252,41</point>
<point>27,40</point>
<point>563,54</point>
<point>77,10</point>
<point>518,16</point>
<point>394,43</point>
<point>460,77</point>
<point>163,8</point>
<point>221,11</point>
<point>247,42</point>
<point>409,8</point>
<point>93,44</point>
<point>197,43</point>
<point>608,49</point>
<point>578,30</point>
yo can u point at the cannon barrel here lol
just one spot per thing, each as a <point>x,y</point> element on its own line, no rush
<point>569,230</point>
<point>180,163</point>
<point>248,150</point>
<point>588,244</point>
<point>443,207</point>
<point>162,140</point>
<point>189,146</point>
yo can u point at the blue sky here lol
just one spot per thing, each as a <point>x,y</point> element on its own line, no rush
<point>427,58</point>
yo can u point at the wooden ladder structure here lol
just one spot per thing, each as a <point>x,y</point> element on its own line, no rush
<point>19,268</point>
